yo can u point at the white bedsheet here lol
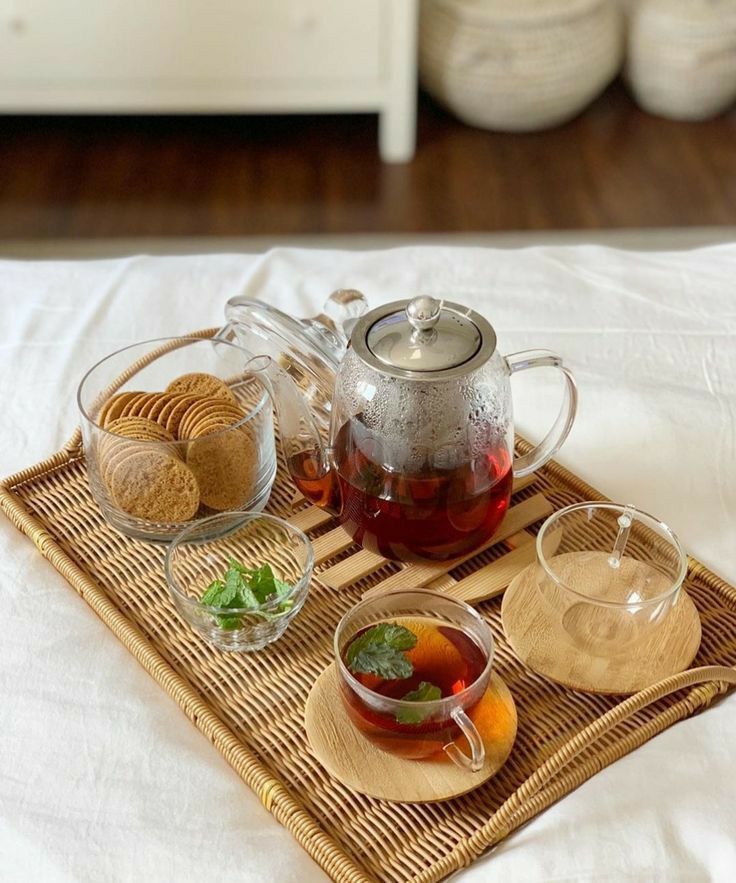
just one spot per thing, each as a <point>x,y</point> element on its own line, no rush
<point>101,776</point>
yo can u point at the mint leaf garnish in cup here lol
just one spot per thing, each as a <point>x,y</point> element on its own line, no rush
<point>425,692</point>
<point>380,650</point>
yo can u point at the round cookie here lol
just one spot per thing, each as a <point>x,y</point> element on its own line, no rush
<point>141,404</point>
<point>113,408</point>
<point>134,428</point>
<point>215,423</point>
<point>116,455</point>
<point>157,407</point>
<point>106,405</point>
<point>225,411</point>
<point>130,409</point>
<point>190,415</point>
<point>208,408</point>
<point>211,429</point>
<point>141,428</point>
<point>137,428</point>
<point>172,400</point>
<point>220,418</point>
<point>144,409</point>
<point>203,385</point>
<point>175,411</point>
<point>224,464</point>
<point>155,486</point>
<point>163,415</point>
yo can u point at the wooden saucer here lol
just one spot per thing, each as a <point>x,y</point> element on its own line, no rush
<point>356,762</point>
<point>542,645</point>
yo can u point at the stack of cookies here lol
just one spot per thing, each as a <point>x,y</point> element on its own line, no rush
<point>201,456</point>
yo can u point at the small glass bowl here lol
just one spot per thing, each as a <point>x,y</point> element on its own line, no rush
<point>200,554</point>
<point>607,602</point>
<point>234,468</point>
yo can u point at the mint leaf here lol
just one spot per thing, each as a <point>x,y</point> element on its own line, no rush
<point>234,564</point>
<point>425,692</point>
<point>213,592</point>
<point>282,588</point>
<point>380,651</point>
<point>246,588</point>
<point>231,590</point>
<point>261,581</point>
<point>229,623</point>
<point>225,593</point>
<point>246,598</point>
<point>396,636</point>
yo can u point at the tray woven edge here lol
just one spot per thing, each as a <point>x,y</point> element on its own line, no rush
<point>545,786</point>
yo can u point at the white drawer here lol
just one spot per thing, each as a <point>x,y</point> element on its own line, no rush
<point>57,42</point>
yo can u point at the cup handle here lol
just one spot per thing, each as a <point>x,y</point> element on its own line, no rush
<point>477,750</point>
<point>552,442</point>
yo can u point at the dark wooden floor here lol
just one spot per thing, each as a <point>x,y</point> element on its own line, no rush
<point>614,166</point>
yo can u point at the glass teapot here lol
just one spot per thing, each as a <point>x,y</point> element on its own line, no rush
<point>398,420</point>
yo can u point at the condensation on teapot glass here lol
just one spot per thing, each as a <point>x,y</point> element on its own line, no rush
<point>439,425</point>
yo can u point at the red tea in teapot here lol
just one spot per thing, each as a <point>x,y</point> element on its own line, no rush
<point>429,513</point>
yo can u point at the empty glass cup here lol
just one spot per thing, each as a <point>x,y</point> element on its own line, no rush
<point>609,575</point>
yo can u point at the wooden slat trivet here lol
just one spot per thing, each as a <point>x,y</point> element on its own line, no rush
<point>417,575</point>
<point>339,540</point>
<point>491,580</point>
<point>365,562</point>
<point>446,581</point>
<point>312,517</point>
<point>309,519</point>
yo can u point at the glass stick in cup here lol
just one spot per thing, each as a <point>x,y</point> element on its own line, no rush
<point>625,520</point>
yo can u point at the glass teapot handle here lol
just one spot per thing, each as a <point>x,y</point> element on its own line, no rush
<point>552,442</point>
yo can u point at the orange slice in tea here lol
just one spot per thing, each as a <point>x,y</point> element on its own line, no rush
<point>433,651</point>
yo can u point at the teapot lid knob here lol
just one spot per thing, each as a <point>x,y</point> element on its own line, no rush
<point>423,312</point>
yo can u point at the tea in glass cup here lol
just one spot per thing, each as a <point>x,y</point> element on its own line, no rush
<point>413,664</point>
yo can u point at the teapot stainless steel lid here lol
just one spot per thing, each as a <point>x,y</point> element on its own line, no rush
<point>424,339</point>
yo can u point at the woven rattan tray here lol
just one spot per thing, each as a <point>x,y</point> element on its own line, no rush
<point>251,706</point>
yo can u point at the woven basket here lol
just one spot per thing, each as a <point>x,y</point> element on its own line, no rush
<point>682,56</point>
<point>251,705</point>
<point>518,65</point>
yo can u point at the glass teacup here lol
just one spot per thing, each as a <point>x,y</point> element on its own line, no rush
<point>426,707</point>
<point>607,603</point>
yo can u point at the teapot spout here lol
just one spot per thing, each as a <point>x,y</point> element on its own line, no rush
<point>307,456</point>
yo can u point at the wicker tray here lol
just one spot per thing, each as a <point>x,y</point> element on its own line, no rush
<point>251,706</point>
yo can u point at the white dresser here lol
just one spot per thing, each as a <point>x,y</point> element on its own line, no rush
<point>207,56</point>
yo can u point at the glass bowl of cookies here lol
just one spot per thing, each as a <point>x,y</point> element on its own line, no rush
<point>175,430</point>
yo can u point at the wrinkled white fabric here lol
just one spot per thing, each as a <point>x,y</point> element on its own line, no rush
<point>101,776</point>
